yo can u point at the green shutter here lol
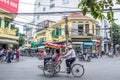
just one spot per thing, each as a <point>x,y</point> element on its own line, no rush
<point>12,26</point>
<point>0,21</point>
<point>6,24</point>
<point>59,32</point>
<point>53,34</point>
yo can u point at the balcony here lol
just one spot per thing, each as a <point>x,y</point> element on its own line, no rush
<point>39,30</point>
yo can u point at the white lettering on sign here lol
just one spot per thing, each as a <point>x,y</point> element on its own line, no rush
<point>11,3</point>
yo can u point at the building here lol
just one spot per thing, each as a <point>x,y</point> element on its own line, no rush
<point>41,31</point>
<point>53,6</point>
<point>83,32</point>
<point>8,35</point>
<point>105,34</point>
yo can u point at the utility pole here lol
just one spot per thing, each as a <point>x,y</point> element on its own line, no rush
<point>66,29</point>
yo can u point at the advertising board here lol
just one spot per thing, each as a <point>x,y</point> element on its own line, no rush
<point>9,5</point>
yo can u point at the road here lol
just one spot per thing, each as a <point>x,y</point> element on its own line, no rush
<point>98,69</point>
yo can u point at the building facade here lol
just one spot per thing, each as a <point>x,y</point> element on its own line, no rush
<point>105,33</point>
<point>8,32</point>
<point>83,32</point>
<point>53,6</point>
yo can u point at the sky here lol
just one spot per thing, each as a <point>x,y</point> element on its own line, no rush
<point>22,9</point>
<point>30,8</point>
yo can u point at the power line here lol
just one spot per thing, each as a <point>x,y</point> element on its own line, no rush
<point>57,13</point>
<point>48,5</point>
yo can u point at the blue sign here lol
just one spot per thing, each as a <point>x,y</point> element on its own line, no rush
<point>87,43</point>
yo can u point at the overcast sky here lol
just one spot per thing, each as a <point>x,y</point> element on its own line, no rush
<point>30,8</point>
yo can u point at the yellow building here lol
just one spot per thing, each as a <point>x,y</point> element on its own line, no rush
<point>41,34</point>
<point>7,31</point>
<point>83,31</point>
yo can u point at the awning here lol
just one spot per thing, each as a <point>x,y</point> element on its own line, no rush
<point>7,41</point>
<point>54,45</point>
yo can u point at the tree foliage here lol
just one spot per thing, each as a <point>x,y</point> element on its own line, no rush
<point>97,7</point>
<point>21,41</point>
<point>115,33</point>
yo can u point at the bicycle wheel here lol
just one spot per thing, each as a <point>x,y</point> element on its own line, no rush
<point>77,70</point>
<point>57,69</point>
<point>49,70</point>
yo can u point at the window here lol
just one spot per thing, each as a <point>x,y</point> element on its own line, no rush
<point>93,29</point>
<point>86,28</point>
<point>53,34</point>
<point>52,5</point>
<point>44,8</point>
<point>0,21</point>
<point>12,26</point>
<point>74,29</point>
<point>39,4</point>
<point>65,1</point>
<point>80,29</point>
<point>51,0</point>
<point>58,31</point>
<point>38,16</point>
<point>6,22</point>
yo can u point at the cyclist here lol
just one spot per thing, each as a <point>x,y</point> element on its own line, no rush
<point>71,57</point>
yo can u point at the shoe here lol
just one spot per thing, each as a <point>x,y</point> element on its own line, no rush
<point>68,70</point>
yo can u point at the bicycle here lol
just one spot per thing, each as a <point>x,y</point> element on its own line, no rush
<point>51,69</point>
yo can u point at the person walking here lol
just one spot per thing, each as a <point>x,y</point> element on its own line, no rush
<point>9,53</point>
<point>17,53</point>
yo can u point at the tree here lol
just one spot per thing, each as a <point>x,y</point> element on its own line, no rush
<point>21,41</point>
<point>115,33</point>
<point>97,7</point>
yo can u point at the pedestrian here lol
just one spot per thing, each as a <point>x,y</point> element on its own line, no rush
<point>85,53</point>
<point>9,53</point>
<point>17,53</point>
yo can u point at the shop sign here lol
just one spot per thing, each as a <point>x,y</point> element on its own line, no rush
<point>87,43</point>
<point>81,39</point>
<point>9,5</point>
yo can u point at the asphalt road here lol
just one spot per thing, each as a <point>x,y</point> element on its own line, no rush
<point>98,69</point>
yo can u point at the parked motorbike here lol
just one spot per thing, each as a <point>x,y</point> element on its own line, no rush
<point>83,57</point>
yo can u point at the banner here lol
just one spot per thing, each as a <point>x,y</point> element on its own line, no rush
<point>9,5</point>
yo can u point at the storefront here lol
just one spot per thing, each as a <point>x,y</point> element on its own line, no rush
<point>7,43</point>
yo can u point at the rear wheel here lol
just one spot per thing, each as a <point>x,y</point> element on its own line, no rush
<point>49,70</point>
<point>77,70</point>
